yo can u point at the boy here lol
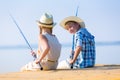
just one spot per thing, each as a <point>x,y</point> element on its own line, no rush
<point>84,54</point>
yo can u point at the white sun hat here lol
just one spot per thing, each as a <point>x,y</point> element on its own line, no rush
<point>72,18</point>
<point>46,20</point>
<point>31,66</point>
<point>64,64</point>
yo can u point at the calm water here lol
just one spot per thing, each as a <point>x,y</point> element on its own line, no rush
<point>11,60</point>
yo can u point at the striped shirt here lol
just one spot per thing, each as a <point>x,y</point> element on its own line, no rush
<point>86,58</point>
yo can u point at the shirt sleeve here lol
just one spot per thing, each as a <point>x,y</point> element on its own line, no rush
<point>78,39</point>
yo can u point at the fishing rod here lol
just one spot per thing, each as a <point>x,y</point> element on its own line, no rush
<point>76,14</point>
<point>74,35</point>
<point>21,33</point>
<point>33,54</point>
<point>73,40</point>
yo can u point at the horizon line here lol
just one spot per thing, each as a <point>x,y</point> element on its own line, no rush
<point>113,43</point>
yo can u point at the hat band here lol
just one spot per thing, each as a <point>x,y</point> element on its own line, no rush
<point>46,23</point>
<point>70,21</point>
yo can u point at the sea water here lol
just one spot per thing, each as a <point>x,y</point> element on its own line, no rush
<point>11,60</point>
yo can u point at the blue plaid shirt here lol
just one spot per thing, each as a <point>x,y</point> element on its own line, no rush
<point>86,58</point>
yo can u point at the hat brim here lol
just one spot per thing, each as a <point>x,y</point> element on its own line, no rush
<point>46,25</point>
<point>72,18</point>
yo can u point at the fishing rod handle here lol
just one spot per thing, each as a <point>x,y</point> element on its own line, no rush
<point>35,57</point>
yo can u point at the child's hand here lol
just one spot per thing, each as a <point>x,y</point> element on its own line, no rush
<point>37,61</point>
<point>71,61</point>
<point>33,54</point>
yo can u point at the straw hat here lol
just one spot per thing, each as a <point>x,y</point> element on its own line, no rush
<point>72,18</point>
<point>46,20</point>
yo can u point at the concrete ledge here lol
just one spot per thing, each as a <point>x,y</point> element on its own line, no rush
<point>99,72</point>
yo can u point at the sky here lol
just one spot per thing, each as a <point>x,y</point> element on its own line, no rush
<point>102,18</point>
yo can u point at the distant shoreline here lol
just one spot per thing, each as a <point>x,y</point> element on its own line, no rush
<point>104,43</point>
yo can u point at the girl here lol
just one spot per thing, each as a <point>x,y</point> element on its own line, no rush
<point>49,47</point>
